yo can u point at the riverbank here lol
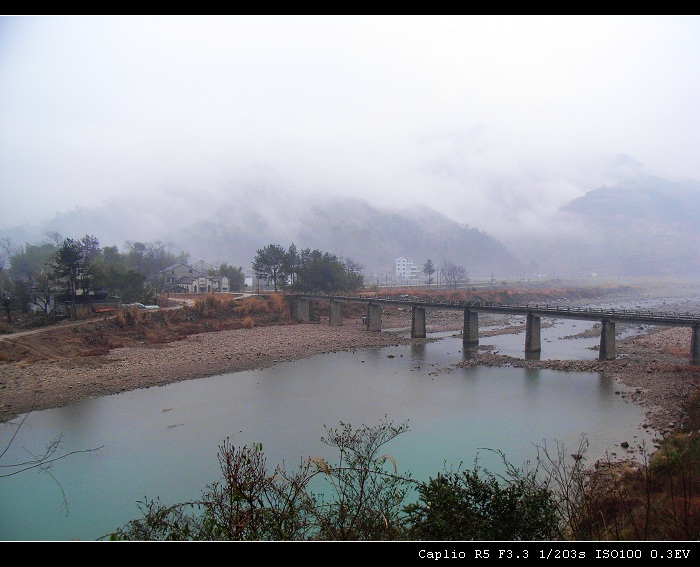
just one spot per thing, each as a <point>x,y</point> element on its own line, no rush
<point>44,384</point>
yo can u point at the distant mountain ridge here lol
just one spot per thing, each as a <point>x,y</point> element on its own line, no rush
<point>368,235</point>
<point>643,225</point>
<point>646,198</point>
<point>235,225</point>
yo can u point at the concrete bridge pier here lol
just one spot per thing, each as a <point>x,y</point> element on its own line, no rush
<point>533,344</point>
<point>607,341</point>
<point>418,322</point>
<point>695,345</point>
<point>301,310</point>
<point>335,316</point>
<point>374,317</point>
<point>470,330</point>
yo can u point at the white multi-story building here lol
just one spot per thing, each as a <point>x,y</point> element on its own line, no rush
<point>406,269</point>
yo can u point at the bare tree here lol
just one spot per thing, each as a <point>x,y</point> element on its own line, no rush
<point>54,237</point>
<point>454,275</point>
<point>43,291</point>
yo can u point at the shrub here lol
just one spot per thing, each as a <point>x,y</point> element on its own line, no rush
<point>457,295</point>
<point>368,499</point>
<point>252,306</point>
<point>250,504</point>
<point>278,304</point>
<point>365,501</point>
<point>475,505</point>
<point>208,305</point>
<point>130,317</point>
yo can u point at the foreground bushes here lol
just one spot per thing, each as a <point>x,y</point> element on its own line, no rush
<point>363,497</point>
<point>476,505</point>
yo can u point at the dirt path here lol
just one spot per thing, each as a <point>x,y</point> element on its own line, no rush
<point>40,330</point>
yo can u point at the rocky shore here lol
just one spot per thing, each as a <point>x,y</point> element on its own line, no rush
<point>55,383</point>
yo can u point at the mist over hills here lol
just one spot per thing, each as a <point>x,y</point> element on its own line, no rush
<point>640,226</point>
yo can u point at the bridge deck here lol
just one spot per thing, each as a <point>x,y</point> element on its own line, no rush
<point>532,313</point>
<point>582,313</point>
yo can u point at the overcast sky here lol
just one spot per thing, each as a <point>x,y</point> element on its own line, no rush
<point>495,121</point>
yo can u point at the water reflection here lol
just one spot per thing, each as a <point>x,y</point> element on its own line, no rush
<point>469,352</point>
<point>418,351</point>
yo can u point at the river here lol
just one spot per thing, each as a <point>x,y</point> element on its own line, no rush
<point>162,442</point>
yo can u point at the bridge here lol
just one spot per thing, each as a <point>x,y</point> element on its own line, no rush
<point>533,314</point>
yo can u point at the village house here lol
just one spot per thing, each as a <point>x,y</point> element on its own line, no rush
<point>181,278</point>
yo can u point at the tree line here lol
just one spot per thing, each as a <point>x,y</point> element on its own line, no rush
<point>306,270</point>
<point>76,270</point>
<point>69,270</point>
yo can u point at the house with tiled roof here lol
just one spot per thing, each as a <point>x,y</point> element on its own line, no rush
<point>181,278</point>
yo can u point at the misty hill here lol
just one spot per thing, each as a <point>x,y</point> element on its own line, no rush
<point>644,225</point>
<point>231,226</point>
<point>643,201</point>
<point>355,230</point>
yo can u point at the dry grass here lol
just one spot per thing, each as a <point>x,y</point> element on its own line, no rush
<point>272,304</point>
<point>497,294</point>
<point>133,326</point>
<point>252,306</point>
<point>131,317</point>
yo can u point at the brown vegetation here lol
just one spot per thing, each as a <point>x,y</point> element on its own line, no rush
<point>98,335</point>
<point>508,295</point>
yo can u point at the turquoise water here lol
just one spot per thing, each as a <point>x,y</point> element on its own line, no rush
<point>162,442</point>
